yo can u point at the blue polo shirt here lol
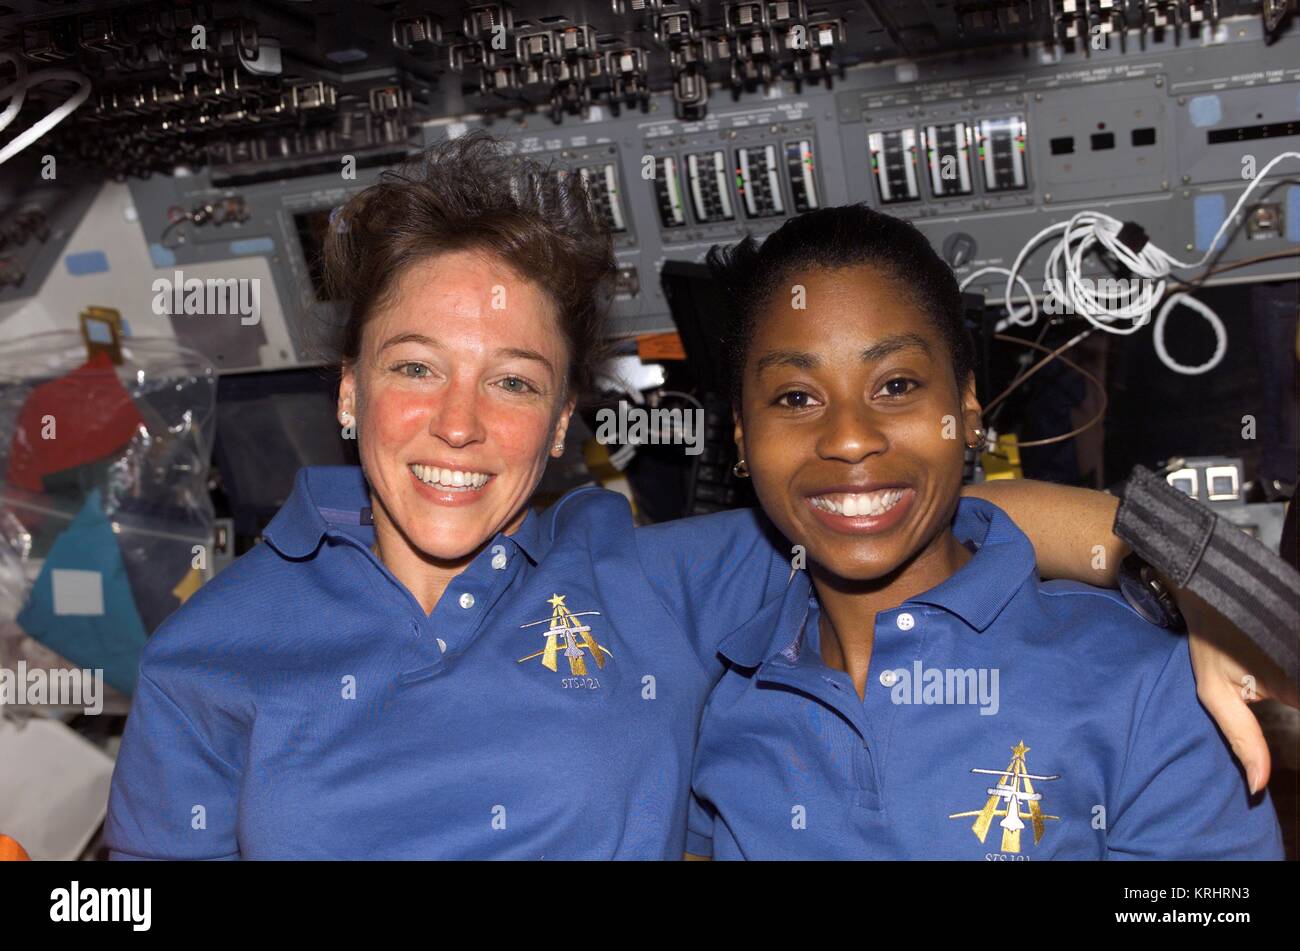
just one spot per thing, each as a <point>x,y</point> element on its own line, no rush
<point>1005,719</point>
<point>303,705</point>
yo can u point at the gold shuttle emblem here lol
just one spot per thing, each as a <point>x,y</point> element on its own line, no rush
<point>570,637</point>
<point>1015,788</point>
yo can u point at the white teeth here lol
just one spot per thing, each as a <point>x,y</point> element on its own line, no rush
<point>450,478</point>
<point>853,505</point>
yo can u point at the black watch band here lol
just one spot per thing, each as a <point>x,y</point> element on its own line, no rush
<point>1233,572</point>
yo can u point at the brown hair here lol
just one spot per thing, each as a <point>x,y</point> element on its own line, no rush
<point>467,193</point>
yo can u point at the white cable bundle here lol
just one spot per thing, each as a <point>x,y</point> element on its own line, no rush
<point>17,89</point>
<point>1123,314</point>
<point>16,92</point>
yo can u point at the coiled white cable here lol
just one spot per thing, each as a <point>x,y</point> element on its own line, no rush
<point>1158,334</point>
<point>1121,311</point>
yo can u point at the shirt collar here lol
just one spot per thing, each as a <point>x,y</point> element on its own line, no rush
<point>977,593</point>
<point>775,627</point>
<point>529,537</point>
<point>334,497</point>
<point>987,583</point>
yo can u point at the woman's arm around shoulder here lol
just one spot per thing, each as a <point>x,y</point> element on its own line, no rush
<point>1072,531</point>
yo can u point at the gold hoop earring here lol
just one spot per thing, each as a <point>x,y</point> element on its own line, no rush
<point>980,436</point>
<point>740,470</point>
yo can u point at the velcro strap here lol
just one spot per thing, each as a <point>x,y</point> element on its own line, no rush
<point>1233,572</point>
<point>1167,528</point>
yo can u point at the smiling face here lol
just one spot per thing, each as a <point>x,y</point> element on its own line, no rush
<point>458,394</point>
<point>852,424</point>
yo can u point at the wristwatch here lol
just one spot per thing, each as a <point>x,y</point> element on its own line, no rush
<point>1147,595</point>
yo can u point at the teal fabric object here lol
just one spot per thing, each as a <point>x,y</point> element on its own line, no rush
<point>94,623</point>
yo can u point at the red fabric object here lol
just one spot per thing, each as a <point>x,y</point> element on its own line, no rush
<point>93,417</point>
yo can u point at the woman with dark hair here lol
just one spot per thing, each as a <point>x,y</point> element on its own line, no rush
<point>887,705</point>
<point>414,664</point>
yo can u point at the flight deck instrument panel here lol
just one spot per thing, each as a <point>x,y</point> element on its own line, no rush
<point>691,123</point>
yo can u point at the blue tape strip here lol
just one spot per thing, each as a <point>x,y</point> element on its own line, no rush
<point>1293,214</point>
<point>86,262</point>
<point>252,246</point>
<point>1205,110</point>
<point>162,257</point>
<point>1208,212</point>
